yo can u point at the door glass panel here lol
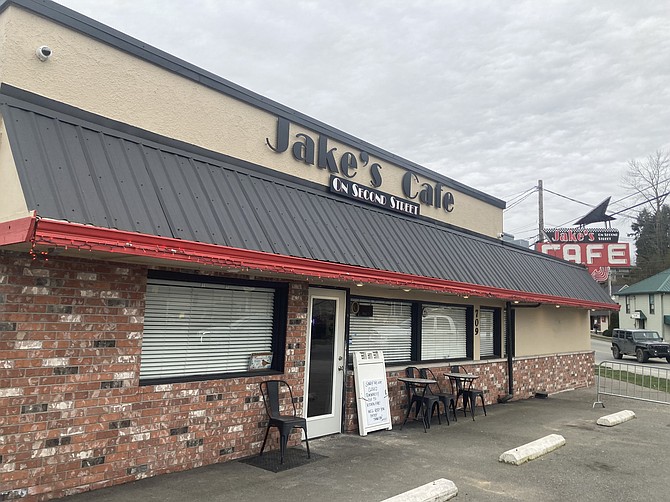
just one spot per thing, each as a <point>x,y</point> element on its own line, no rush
<point>321,357</point>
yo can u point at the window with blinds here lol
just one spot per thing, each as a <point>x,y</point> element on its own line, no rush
<point>381,325</point>
<point>443,333</point>
<point>487,333</point>
<point>200,329</point>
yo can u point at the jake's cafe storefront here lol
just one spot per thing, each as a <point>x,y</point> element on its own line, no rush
<point>169,239</point>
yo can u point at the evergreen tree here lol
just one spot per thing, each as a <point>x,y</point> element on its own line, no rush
<point>652,240</point>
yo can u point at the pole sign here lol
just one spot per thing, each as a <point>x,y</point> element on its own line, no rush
<point>593,255</point>
<point>585,235</point>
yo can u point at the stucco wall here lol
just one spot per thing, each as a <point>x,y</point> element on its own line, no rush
<point>547,329</point>
<point>12,202</point>
<point>98,78</point>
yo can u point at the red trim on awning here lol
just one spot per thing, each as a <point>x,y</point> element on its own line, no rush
<point>85,237</point>
<point>17,231</point>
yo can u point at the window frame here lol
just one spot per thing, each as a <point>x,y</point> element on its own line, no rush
<point>279,325</point>
<point>469,331</point>
<point>417,307</point>
<point>497,332</point>
<point>652,303</point>
<point>627,301</point>
<point>360,298</point>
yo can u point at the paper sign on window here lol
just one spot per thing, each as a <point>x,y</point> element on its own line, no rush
<point>260,361</point>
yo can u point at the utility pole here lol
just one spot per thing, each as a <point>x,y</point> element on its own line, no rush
<point>540,206</point>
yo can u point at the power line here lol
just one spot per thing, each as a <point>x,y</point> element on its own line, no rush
<point>641,203</point>
<point>568,198</point>
<point>510,198</point>
<point>519,201</point>
<point>527,193</point>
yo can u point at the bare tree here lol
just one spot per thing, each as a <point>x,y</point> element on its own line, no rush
<point>649,179</point>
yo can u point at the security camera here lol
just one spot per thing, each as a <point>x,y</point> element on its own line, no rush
<point>43,53</point>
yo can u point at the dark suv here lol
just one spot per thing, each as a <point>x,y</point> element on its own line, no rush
<point>640,343</point>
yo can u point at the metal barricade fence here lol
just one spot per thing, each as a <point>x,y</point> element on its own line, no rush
<point>632,381</point>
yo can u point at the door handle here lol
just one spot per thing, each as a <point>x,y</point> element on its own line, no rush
<point>340,368</point>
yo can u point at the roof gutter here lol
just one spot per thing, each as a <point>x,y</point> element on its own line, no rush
<point>62,234</point>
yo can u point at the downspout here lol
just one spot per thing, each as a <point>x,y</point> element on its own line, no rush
<point>508,351</point>
<point>508,348</point>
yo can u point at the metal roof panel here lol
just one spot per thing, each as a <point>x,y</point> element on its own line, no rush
<point>144,186</point>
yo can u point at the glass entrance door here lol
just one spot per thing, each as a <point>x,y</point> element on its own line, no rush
<point>325,362</point>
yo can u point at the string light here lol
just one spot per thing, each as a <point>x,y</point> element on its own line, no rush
<point>235,263</point>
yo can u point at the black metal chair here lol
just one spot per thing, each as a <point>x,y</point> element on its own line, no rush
<point>447,399</point>
<point>275,392</point>
<point>423,401</point>
<point>469,394</point>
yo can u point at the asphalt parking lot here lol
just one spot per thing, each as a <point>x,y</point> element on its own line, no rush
<point>626,462</point>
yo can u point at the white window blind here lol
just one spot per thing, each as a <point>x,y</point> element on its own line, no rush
<point>486,334</point>
<point>388,329</point>
<point>204,329</point>
<point>443,333</point>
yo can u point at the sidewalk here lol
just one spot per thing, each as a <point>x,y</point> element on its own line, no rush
<point>625,462</point>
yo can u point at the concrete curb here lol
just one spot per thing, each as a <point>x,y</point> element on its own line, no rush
<point>437,491</point>
<point>616,418</point>
<point>532,450</point>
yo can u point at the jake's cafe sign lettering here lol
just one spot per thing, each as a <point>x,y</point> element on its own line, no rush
<point>593,247</point>
<point>347,178</point>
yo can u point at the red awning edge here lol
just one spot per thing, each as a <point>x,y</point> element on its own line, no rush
<point>85,237</point>
<point>17,231</point>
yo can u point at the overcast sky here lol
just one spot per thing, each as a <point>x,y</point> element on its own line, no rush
<point>496,95</point>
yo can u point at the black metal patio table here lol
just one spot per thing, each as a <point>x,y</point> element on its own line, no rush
<point>419,385</point>
<point>463,384</point>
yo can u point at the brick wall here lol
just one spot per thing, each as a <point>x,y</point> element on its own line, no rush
<point>74,418</point>
<point>72,414</point>
<point>550,373</point>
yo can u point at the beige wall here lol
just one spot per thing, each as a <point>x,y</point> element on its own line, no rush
<point>98,78</point>
<point>549,330</point>
<point>12,202</point>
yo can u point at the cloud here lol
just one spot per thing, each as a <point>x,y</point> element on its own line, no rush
<point>496,95</point>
